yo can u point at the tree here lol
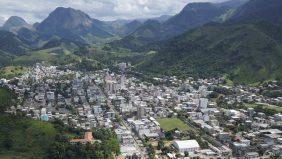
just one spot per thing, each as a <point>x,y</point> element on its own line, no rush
<point>186,153</point>
<point>160,144</point>
<point>151,151</point>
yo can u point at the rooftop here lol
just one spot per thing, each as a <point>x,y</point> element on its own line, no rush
<point>187,144</point>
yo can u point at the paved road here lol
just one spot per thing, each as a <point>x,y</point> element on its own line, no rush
<point>140,149</point>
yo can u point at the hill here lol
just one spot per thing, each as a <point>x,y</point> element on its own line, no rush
<point>141,38</point>
<point>259,10</point>
<point>247,47</point>
<point>12,44</point>
<point>247,52</point>
<point>14,23</point>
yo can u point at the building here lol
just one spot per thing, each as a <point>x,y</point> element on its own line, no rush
<point>88,138</point>
<point>252,155</point>
<point>203,103</point>
<point>44,117</point>
<point>224,137</point>
<point>239,149</point>
<point>186,145</point>
<point>140,111</point>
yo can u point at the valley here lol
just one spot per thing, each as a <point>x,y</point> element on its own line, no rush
<point>203,81</point>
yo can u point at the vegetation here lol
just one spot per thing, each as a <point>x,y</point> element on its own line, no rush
<point>168,124</point>
<point>11,71</point>
<point>105,149</point>
<point>150,150</point>
<point>273,93</point>
<point>21,137</point>
<point>267,109</point>
<point>25,137</point>
<point>246,52</point>
<point>11,44</point>
<point>47,55</point>
<point>7,98</point>
<point>149,35</point>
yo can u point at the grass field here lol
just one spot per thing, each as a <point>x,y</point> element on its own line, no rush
<point>12,71</point>
<point>168,124</point>
<point>47,55</point>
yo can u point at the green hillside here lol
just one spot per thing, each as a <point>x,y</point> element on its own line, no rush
<point>247,52</point>
<point>7,98</point>
<point>10,43</point>
<point>24,137</point>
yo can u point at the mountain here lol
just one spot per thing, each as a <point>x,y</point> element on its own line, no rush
<point>130,27</point>
<point>247,47</point>
<point>247,52</point>
<point>2,21</point>
<point>233,3</point>
<point>141,37</point>
<point>192,16</point>
<point>21,28</point>
<point>123,28</point>
<point>257,10</point>
<point>12,44</point>
<point>162,18</point>
<point>15,23</point>
<point>72,25</point>
<point>29,35</point>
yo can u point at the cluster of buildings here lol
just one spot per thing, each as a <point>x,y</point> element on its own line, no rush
<point>131,108</point>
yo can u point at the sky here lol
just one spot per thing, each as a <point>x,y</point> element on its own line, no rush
<point>37,10</point>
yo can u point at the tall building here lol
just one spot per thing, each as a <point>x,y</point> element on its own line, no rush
<point>122,67</point>
<point>203,103</point>
<point>122,82</point>
<point>140,111</point>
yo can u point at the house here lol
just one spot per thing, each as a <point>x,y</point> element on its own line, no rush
<point>88,138</point>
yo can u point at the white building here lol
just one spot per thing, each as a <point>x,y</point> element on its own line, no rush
<point>186,145</point>
<point>203,103</point>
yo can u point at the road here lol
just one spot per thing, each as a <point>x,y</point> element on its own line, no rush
<point>141,149</point>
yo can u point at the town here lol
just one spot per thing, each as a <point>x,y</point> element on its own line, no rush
<point>162,118</point>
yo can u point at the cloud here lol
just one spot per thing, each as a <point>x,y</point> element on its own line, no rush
<point>37,10</point>
<point>2,20</point>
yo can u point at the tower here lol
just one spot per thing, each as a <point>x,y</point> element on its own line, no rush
<point>140,111</point>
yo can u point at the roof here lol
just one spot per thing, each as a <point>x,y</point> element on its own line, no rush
<point>127,149</point>
<point>184,144</point>
<point>88,136</point>
<point>272,131</point>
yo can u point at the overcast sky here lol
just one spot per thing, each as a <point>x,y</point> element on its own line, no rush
<point>36,10</point>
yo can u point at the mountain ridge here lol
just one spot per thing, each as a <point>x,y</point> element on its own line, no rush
<point>247,49</point>
<point>192,15</point>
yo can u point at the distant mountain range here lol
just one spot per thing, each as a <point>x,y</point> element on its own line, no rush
<point>248,47</point>
<point>238,38</point>
<point>65,25</point>
<point>193,15</point>
<point>14,23</point>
